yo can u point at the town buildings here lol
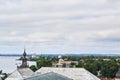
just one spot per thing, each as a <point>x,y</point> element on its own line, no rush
<point>50,73</point>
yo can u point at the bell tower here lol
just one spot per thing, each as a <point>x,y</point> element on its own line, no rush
<point>24,60</point>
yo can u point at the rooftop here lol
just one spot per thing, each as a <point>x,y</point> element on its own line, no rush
<point>72,73</point>
<point>49,76</point>
<point>20,74</point>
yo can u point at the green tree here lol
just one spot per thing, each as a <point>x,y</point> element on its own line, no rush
<point>44,63</point>
<point>80,64</point>
<point>109,69</point>
<point>0,71</point>
<point>4,75</point>
<point>92,65</point>
<point>33,68</point>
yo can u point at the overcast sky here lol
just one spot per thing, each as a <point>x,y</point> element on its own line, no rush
<point>60,26</point>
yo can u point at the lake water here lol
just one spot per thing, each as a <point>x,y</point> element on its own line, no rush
<point>9,64</point>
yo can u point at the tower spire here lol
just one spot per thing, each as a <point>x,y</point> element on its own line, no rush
<point>24,53</point>
<point>24,60</point>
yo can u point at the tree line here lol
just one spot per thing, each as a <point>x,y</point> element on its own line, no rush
<point>99,66</point>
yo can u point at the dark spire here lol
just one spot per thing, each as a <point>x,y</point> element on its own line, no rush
<point>24,60</point>
<point>24,53</point>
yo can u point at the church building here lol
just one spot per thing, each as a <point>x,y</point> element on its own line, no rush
<point>22,71</point>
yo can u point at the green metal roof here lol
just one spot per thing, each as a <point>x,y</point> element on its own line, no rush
<point>49,76</point>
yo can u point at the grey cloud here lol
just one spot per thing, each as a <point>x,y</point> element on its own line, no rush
<point>109,39</point>
<point>76,23</point>
<point>113,0</point>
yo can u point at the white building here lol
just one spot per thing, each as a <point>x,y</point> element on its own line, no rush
<point>72,73</point>
<point>64,63</point>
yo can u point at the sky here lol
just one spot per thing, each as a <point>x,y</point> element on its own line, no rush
<point>60,26</point>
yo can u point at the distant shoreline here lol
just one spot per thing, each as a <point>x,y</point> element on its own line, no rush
<point>82,55</point>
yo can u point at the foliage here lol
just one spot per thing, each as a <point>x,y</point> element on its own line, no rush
<point>91,66</point>
<point>0,71</point>
<point>106,66</point>
<point>80,64</point>
<point>33,68</point>
<point>109,69</point>
<point>4,75</point>
<point>44,63</point>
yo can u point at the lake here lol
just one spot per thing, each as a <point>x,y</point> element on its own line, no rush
<point>9,63</point>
